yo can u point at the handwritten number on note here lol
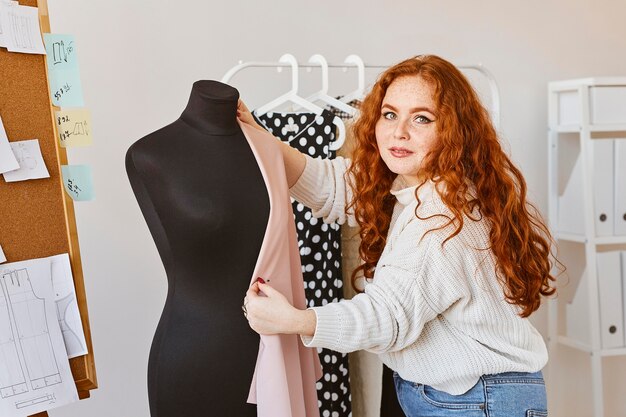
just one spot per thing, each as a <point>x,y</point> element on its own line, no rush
<point>66,87</point>
<point>73,187</point>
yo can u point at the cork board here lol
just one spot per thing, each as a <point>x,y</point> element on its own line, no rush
<point>37,216</point>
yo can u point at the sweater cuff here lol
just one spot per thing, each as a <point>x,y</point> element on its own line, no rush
<point>305,188</point>
<point>327,330</point>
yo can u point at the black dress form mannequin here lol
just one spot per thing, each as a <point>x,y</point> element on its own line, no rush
<point>202,194</point>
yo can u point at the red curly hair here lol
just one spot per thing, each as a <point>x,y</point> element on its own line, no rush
<point>467,153</point>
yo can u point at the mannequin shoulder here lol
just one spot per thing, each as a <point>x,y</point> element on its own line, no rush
<point>150,149</point>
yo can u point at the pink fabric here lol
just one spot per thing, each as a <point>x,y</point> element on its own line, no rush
<point>283,384</point>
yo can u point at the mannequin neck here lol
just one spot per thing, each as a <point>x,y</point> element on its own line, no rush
<point>212,108</point>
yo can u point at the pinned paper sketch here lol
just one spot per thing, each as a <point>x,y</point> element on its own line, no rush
<point>63,72</point>
<point>32,166</point>
<point>74,127</point>
<point>78,182</point>
<point>2,257</point>
<point>20,29</point>
<point>4,5</point>
<point>34,370</point>
<point>67,306</point>
<point>8,162</point>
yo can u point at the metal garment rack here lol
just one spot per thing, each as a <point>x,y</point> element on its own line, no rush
<point>354,61</point>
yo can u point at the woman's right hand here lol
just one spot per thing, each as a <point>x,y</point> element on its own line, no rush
<point>293,159</point>
<point>245,116</point>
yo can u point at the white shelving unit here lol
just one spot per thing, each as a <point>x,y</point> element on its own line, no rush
<point>583,112</point>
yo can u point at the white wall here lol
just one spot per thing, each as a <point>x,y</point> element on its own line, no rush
<point>138,60</point>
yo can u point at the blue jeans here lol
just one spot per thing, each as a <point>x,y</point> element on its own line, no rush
<point>510,394</point>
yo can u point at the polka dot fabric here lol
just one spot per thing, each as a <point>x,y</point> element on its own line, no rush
<point>320,250</point>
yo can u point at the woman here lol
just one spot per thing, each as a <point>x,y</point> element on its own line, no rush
<point>454,257</point>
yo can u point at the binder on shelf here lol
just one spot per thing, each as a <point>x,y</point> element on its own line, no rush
<point>603,180</point>
<point>620,187</point>
<point>607,104</point>
<point>571,212</point>
<point>571,215</point>
<point>577,314</point>
<point>569,110</point>
<point>610,299</point>
<point>623,269</point>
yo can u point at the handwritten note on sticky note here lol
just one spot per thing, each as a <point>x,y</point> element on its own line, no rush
<point>78,182</point>
<point>32,166</point>
<point>62,59</point>
<point>66,90</point>
<point>74,127</point>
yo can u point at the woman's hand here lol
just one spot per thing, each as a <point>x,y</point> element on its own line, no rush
<point>293,159</point>
<point>271,313</point>
<point>245,116</point>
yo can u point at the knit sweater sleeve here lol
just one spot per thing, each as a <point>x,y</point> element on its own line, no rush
<point>323,188</point>
<point>408,290</point>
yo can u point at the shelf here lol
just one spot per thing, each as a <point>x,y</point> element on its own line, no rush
<point>566,128</point>
<point>610,240</point>
<point>620,127</point>
<point>571,237</point>
<point>613,352</point>
<point>583,113</point>
<point>564,340</point>
<point>600,240</point>
<point>575,84</point>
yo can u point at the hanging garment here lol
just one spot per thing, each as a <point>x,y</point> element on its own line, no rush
<point>366,370</point>
<point>320,249</point>
<point>369,375</point>
<point>283,384</point>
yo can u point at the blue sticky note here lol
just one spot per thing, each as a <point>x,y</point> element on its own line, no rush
<point>61,57</point>
<point>78,182</point>
<point>60,52</point>
<point>66,89</point>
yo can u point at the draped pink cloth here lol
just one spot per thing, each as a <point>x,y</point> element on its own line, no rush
<point>284,379</point>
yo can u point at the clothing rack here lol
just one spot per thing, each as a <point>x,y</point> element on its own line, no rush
<point>355,61</point>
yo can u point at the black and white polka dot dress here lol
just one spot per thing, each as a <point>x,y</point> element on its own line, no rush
<point>320,250</point>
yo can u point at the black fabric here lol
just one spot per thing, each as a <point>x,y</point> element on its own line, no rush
<point>208,221</point>
<point>389,405</point>
<point>320,250</point>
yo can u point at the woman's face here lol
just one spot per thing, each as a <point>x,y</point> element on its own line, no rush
<point>406,129</point>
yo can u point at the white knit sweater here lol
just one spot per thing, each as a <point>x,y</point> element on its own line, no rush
<point>436,315</point>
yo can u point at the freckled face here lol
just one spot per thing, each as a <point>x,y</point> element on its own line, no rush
<point>406,129</point>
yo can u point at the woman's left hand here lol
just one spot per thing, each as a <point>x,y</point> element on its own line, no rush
<point>271,313</point>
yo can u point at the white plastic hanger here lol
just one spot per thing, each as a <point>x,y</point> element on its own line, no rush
<point>293,97</point>
<point>493,85</point>
<point>322,95</point>
<point>359,93</point>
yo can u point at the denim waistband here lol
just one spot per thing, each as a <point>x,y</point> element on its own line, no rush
<point>514,377</point>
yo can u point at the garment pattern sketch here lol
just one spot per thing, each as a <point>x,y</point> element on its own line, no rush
<point>68,314</point>
<point>35,375</point>
<point>320,249</point>
<point>70,337</point>
<point>33,335</point>
<point>12,379</point>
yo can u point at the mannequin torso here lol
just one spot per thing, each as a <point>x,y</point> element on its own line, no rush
<point>205,202</point>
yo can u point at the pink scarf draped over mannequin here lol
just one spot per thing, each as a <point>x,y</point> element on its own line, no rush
<point>284,379</point>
